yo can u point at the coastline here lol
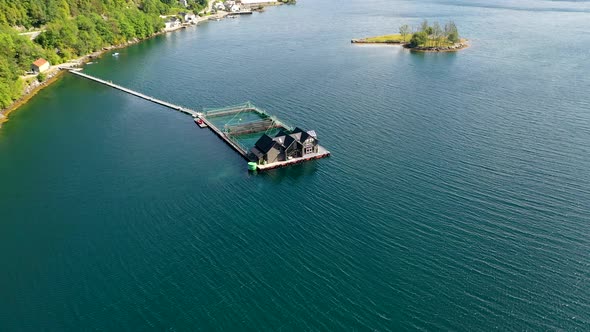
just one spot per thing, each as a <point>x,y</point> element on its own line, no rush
<point>461,45</point>
<point>56,71</point>
<point>364,41</point>
<point>29,92</point>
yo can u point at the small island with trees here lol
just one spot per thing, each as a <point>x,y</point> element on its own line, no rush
<point>425,38</point>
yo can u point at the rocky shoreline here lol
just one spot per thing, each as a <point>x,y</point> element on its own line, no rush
<point>452,48</point>
<point>364,41</point>
<point>463,44</point>
<point>28,92</point>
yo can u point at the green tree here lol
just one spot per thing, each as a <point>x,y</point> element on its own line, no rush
<point>437,33</point>
<point>454,37</point>
<point>37,13</point>
<point>5,94</point>
<point>424,26</point>
<point>71,28</point>
<point>404,30</point>
<point>452,32</point>
<point>420,38</point>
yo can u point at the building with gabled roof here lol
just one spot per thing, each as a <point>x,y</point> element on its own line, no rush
<point>40,65</point>
<point>284,146</point>
<point>219,6</point>
<point>172,23</point>
<point>188,17</point>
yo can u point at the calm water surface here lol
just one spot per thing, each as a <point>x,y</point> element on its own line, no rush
<point>457,196</point>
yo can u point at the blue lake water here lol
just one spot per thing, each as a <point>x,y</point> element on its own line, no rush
<point>456,197</point>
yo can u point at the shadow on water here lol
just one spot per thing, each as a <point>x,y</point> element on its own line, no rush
<point>434,56</point>
<point>294,172</point>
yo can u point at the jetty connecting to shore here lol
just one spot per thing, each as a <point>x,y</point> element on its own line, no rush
<point>239,122</point>
<point>135,93</point>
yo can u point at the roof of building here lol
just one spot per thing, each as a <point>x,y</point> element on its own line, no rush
<point>303,134</point>
<point>288,141</point>
<point>40,62</point>
<point>298,130</point>
<point>282,132</point>
<point>280,139</point>
<point>299,134</point>
<point>265,143</point>
<point>296,136</point>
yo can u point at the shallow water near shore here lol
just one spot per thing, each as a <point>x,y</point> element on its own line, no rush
<point>456,197</point>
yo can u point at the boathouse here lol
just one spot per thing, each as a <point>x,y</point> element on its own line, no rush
<point>188,18</point>
<point>40,65</point>
<point>235,8</point>
<point>284,146</point>
<point>219,6</point>
<point>172,23</point>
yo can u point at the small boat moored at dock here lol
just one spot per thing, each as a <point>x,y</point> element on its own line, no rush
<point>200,122</point>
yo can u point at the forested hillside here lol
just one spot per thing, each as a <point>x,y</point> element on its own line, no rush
<point>71,28</point>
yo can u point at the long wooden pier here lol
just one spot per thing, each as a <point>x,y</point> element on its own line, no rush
<point>137,94</point>
<point>267,122</point>
<point>189,111</point>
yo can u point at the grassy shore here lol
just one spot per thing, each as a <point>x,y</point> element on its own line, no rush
<point>387,39</point>
<point>432,45</point>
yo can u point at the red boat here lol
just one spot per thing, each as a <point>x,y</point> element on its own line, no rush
<point>200,122</point>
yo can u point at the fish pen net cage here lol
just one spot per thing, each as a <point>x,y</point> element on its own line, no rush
<point>244,123</point>
<point>230,110</point>
<point>249,127</point>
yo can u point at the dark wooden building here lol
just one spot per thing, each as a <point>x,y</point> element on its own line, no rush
<point>284,146</point>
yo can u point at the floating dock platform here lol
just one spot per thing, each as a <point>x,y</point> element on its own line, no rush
<point>322,153</point>
<point>247,123</point>
<point>232,124</point>
<point>242,12</point>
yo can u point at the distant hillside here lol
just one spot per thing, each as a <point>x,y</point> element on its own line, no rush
<point>72,28</point>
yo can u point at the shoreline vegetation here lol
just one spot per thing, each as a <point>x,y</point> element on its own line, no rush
<point>425,38</point>
<point>70,33</point>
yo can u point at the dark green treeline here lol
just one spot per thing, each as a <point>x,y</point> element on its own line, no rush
<point>71,28</point>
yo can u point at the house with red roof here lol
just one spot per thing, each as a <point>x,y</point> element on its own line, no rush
<point>40,65</point>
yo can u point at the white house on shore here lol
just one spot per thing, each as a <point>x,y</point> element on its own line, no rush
<point>259,2</point>
<point>172,23</point>
<point>235,8</point>
<point>188,18</point>
<point>40,65</point>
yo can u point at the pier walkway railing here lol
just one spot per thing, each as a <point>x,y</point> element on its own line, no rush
<point>266,123</point>
<point>137,94</point>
